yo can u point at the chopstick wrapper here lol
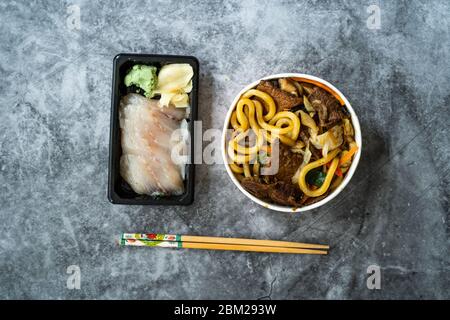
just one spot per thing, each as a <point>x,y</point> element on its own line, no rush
<point>152,236</point>
<point>150,243</point>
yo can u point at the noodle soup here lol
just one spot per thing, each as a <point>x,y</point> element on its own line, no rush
<point>291,142</point>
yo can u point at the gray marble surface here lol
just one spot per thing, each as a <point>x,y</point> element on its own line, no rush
<point>55,90</point>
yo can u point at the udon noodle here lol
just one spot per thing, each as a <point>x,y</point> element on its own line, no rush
<point>249,118</point>
<point>258,123</point>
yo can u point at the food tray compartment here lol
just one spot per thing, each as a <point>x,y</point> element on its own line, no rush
<point>119,192</point>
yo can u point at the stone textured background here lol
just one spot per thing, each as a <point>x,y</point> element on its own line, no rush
<point>54,122</point>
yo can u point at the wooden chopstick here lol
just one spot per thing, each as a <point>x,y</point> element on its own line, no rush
<point>253,242</point>
<point>204,239</point>
<point>221,243</point>
<point>240,247</point>
<point>222,240</point>
<point>216,246</point>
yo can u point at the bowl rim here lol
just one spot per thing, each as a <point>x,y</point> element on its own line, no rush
<point>351,171</point>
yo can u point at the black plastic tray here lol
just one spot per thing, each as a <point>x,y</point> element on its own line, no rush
<point>119,192</point>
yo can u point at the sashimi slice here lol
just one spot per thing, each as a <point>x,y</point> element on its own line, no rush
<point>147,132</point>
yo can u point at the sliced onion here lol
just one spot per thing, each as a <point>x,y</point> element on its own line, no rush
<point>333,137</point>
<point>306,159</point>
<point>307,104</point>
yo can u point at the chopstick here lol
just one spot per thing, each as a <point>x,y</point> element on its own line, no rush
<point>203,239</point>
<point>230,244</point>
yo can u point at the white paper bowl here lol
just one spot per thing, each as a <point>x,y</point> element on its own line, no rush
<point>350,172</point>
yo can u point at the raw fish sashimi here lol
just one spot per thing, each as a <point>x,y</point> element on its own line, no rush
<point>147,141</point>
